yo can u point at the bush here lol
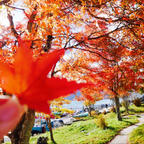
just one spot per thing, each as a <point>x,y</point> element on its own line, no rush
<point>104,112</point>
<point>94,113</point>
<point>101,122</point>
<point>42,140</point>
<point>137,102</point>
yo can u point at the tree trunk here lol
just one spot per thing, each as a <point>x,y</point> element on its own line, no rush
<point>89,110</point>
<point>126,104</point>
<point>50,129</point>
<point>22,132</point>
<point>117,103</point>
<point>1,141</point>
<point>127,110</point>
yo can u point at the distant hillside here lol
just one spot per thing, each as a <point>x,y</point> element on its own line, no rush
<point>71,97</point>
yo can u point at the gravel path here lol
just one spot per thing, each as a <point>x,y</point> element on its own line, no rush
<point>122,138</point>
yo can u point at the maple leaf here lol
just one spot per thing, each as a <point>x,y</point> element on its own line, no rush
<point>27,78</point>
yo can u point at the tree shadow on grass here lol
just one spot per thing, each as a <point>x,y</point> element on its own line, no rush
<point>136,111</point>
<point>111,128</point>
<point>125,120</point>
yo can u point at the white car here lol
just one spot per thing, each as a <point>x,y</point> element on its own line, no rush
<point>68,120</point>
<point>57,122</point>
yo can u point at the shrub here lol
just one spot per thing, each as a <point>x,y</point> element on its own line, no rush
<point>101,122</point>
<point>42,140</point>
<point>104,112</point>
<point>93,113</point>
<point>137,102</point>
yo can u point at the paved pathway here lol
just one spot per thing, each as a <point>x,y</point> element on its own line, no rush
<point>122,138</point>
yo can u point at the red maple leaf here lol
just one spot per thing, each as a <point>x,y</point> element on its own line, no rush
<point>27,78</point>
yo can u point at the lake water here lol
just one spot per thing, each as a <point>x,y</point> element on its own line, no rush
<point>78,105</point>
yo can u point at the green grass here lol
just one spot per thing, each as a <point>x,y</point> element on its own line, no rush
<point>87,132</point>
<point>133,109</point>
<point>137,135</point>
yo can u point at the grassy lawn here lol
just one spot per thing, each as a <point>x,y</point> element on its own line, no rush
<point>137,135</point>
<point>87,132</point>
<point>133,109</point>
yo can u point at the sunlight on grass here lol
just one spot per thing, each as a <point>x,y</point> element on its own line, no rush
<point>83,132</point>
<point>133,109</point>
<point>137,135</point>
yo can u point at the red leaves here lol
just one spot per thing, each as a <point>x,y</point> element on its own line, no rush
<point>102,24</point>
<point>27,78</point>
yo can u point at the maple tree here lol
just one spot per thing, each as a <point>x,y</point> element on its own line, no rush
<point>114,78</point>
<point>112,35</point>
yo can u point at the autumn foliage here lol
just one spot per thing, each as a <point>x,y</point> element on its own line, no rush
<point>94,41</point>
<point>27,78</point>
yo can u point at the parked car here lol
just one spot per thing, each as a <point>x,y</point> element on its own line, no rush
<point>104,110</point>
<point>38,129</point>
<point>83,114</point>
<point>68,120</point>
<point>41,125</point>
<point>57,123</point>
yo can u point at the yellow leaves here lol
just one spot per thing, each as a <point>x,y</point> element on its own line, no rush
<point>88,103</point>
<point>83,2</point>
<point>62,110</point>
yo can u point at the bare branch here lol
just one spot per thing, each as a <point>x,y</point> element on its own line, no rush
<point>14,7</point>
<point>12,25</point>
<point>31,19</point>
<point>93,52</point>
<point>107,34</point>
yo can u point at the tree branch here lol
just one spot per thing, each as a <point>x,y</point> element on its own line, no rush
<point>10,18</point>
<point>4,2</point>
<point>31,19</point>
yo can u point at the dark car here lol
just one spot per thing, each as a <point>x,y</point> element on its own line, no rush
<point>41,125</point>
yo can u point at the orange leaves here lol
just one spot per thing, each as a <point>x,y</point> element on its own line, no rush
<point>6,75</point>
<point>100,1</point>
<point>80,37</point>
<point>27,78</point>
